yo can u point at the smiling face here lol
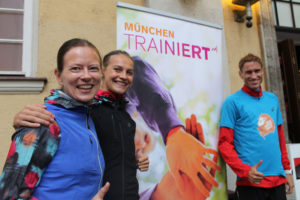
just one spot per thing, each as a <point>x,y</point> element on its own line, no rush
<point>118,74</point>
<point>80,76</point>
<point>252,74</point>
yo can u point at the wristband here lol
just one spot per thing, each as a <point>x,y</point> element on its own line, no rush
<point>289,171</point>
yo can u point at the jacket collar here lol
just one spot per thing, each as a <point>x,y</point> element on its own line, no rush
<point>109,95</point>
<point>58,97</point>
<point>254,93</point>
<point>117,101</point>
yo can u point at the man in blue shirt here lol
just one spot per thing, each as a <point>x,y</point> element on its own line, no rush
<point>251,138</point>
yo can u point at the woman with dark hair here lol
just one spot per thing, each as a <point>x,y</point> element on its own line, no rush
<point>115,127</point>
<point>63,160</point>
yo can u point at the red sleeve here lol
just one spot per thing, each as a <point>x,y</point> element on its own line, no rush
<point>229,154</point>
<point>284,156</point>
<point>173,130</point>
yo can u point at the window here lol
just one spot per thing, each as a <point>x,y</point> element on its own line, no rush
<point>287,13</point>
<point>18,46</point>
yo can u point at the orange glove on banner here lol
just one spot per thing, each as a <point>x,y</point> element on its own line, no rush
<point>193,127</point>
<point>166,184</point>
<point>191,191</point>
<point>186,155</point>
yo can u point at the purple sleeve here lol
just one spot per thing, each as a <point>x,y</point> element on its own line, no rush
<point>152,99</point>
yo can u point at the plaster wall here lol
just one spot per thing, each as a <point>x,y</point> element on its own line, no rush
<point>240,41</point>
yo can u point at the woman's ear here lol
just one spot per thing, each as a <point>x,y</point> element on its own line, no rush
<point>58,77</point>
<point>102,71</point>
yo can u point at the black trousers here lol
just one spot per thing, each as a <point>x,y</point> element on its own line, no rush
<point>257,193</point>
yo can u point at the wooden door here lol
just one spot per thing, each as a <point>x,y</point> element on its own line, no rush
<point>291,87</point>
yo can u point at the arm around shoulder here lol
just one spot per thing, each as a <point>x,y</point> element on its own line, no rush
<point>33,116</point>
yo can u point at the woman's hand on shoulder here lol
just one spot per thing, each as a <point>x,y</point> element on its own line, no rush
<point>33,115</point>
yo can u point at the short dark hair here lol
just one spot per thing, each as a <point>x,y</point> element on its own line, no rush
<point>249,58</point>
<point>69,44</point>
<point>115,52</point>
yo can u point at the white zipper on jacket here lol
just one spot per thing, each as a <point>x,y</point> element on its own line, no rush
<point>97,143</point>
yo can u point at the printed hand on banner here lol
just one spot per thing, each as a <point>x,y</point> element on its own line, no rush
<point>188,162</point>
<point>166,184</point>
<point>193,127</point>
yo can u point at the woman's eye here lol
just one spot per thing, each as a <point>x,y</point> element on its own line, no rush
<point>94,69</point>
<point>74,69</point>
<point>130,73</point>
<point>117,69</point>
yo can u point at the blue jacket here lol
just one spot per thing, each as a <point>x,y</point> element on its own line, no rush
<point>77,168</point>
<point>62,161</point>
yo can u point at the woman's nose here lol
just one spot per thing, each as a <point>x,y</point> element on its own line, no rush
<point>85,74</point>
<point>123,75</point>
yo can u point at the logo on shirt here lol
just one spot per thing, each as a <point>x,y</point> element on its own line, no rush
<point>265,125</point>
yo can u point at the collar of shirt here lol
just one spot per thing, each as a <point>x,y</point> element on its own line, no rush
<point>254,93</point>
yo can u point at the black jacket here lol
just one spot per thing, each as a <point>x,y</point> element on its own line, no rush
<point>116,130</point>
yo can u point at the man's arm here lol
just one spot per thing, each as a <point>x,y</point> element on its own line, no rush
<point>284,154</point>
<point>285,160</point>
<point>230,156</point>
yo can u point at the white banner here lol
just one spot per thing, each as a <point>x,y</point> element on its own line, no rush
<point>294,155</point>
<point>177,83</point>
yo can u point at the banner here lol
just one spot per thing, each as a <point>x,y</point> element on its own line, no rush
<point>294,155</point>
<point>175,100</point>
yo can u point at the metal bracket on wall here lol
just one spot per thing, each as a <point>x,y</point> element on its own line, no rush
<point>239,14</point>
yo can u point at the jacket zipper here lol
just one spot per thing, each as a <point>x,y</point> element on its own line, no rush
<point>123,160</point>
<point>123,152</point>
<point>97,143</point>
<point>114,126</point>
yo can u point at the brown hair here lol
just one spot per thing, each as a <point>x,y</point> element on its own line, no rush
<point>66,46</point>
<point>249,58</point>
<point>115,52</point>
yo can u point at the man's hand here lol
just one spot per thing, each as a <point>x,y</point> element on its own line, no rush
<point>143,163</point>
<point>186,155</point>
<point>289,185</point>
<point>255,176</point>
<point>100,195</point>
<point>33,116</point>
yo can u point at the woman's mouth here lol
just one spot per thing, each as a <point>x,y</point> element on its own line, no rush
<point>121,83</point>
<point>85,87</point>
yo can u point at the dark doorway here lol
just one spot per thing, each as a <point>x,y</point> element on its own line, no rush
<point>290,71</point>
